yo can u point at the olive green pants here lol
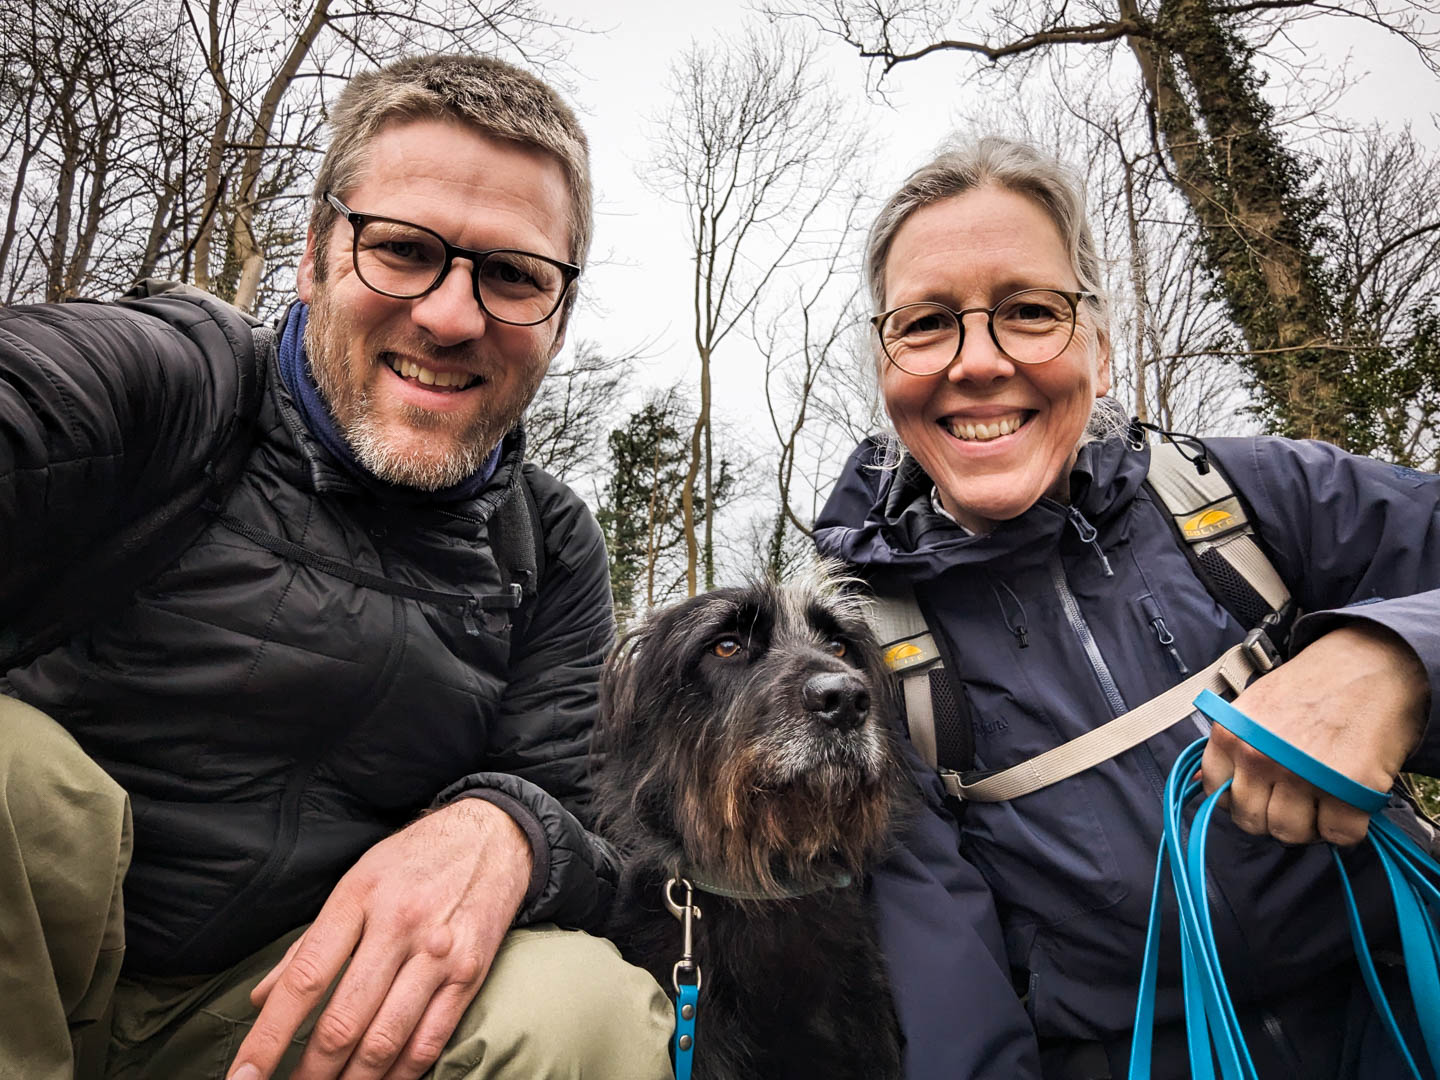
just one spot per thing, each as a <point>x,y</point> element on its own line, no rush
<point>556,1003</point>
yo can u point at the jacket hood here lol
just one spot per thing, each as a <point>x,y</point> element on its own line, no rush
<point>880,519</point>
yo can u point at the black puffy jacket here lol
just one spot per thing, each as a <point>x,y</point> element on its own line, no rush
<point>271,719</point>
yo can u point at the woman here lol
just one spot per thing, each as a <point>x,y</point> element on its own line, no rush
<point>1018,516</point>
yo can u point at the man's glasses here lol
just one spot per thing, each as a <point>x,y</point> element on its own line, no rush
<point>1029,327</point>
<point>406,261</point>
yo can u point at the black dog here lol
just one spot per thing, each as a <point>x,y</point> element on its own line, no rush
<point>749,752</point>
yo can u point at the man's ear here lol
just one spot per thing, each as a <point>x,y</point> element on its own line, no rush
<point>305,273</point>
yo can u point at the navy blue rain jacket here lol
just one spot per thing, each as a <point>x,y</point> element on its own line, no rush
<point>1056,630</point>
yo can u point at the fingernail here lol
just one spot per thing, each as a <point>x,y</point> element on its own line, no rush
<point>246,1072</point>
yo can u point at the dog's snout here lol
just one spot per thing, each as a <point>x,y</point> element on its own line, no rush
<point>839,699</point>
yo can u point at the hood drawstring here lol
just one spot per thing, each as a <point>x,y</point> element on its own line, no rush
<point>1015,626</point>
<point>1088,535</point>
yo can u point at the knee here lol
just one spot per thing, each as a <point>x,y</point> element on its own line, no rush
<point>562,1004</point>
<point>52,794</point>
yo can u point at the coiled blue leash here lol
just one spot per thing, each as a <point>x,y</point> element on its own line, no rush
<point>1212,1030</point>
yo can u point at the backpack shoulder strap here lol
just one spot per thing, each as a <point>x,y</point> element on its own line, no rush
<point>517,540</point>
<point>1213,526</point>
<point>936,714</point>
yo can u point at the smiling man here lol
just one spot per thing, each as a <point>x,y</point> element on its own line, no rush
<point>348,676</point>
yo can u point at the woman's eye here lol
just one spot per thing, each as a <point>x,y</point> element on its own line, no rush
<point>835,647</point>
<point>725,648</point>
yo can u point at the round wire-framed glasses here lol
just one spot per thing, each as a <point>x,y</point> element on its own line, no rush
<point>1031,326</point>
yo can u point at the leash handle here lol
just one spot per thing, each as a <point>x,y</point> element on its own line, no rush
<point>1212,1026</point>
<point>1291,757</point>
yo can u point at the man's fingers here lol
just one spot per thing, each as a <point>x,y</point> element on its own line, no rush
<point>1340,823</point>
<point>352,1011</point>
<point>393,1024</point>
<point>263,987</point>
<point>1291,813</point>
<point>432,1033</point>
<point>297,989</point>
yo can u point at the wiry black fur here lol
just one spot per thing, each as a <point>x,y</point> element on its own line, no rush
<point>714,765</point>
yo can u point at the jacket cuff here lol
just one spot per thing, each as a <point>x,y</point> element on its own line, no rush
<point>573,877</point>
<point>529,825</point>
<point>1416,621</point>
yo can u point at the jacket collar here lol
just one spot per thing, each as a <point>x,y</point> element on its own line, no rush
<point>881,519</point>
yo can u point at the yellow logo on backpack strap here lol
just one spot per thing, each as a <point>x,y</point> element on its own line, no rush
<point>1207,523</point>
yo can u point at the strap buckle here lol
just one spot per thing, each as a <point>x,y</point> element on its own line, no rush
<point>1261,651</point>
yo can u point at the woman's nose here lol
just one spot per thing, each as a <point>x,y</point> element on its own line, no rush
<point>979,358</point>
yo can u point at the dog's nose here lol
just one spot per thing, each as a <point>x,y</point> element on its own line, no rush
<point>839,699</point>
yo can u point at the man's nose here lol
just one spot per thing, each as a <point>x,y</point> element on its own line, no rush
<point>450,314</point>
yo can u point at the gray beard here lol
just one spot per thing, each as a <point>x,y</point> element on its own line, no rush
<point>327,335</point>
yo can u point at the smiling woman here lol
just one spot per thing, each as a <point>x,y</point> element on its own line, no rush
<point>1059,595</point>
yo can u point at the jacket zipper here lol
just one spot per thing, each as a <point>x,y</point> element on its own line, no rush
<point>1071,606</point>
<point>1078,624</point>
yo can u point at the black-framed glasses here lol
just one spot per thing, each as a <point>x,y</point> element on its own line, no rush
<point>406,261</point>
<point>1030,327</point>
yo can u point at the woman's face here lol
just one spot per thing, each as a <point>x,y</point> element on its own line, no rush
<point>970,251</point>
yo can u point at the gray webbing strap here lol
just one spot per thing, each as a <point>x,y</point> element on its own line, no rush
<point>1210,516</point>
<point>1227,676</point>
<point>910,652</point>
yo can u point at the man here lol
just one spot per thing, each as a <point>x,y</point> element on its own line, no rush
<point>354,765</point>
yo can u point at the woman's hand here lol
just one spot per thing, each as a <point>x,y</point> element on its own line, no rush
<point>1356,699</point>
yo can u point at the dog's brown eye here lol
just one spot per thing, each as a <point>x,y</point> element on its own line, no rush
<point>726,648</point>
<point>836,647</point>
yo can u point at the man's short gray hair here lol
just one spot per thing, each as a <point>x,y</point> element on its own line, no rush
<point>495,98</point>
<point>1005,163</point>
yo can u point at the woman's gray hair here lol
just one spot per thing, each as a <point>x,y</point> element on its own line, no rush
<point>1008,164</point>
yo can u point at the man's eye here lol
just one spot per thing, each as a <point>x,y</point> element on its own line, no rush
<point>835,647</point>
<point>403,249</point>
<point>725,648</point>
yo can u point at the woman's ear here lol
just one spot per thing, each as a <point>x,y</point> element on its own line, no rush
<point>1102,363</point>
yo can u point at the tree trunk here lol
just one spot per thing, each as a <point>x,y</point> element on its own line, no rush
<point>1257,224</point>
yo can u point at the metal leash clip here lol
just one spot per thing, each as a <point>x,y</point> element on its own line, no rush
<point>687,913</point>
<point>687,994</point>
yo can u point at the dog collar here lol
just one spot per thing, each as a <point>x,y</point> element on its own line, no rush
<point>787,890</point>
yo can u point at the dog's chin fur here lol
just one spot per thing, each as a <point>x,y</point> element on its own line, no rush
<point>714,768</point>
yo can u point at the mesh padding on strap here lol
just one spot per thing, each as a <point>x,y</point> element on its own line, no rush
<point>954,742</point>
<point>1236,594</point>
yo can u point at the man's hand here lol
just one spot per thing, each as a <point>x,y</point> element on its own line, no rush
<point>418,919</point>
<point>1356,699</point>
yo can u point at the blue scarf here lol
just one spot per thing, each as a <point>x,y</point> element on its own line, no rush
<point>295,373</point>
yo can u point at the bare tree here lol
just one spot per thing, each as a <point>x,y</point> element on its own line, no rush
<point>569,418</point>
<point>754,147</point>
<point>803,342</point>
<point>180,140</point>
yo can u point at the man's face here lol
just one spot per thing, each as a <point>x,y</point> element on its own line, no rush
<point>424,389</point>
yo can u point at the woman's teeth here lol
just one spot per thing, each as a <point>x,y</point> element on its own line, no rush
<point>984,432</point>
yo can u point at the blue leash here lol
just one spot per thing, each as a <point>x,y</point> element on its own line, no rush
<point>1212,1029</point>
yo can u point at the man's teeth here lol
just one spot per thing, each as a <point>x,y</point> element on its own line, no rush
<point>411,370</point>
<point>983,432</point>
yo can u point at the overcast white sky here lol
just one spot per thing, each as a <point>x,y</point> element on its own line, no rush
<point>639,290</point>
